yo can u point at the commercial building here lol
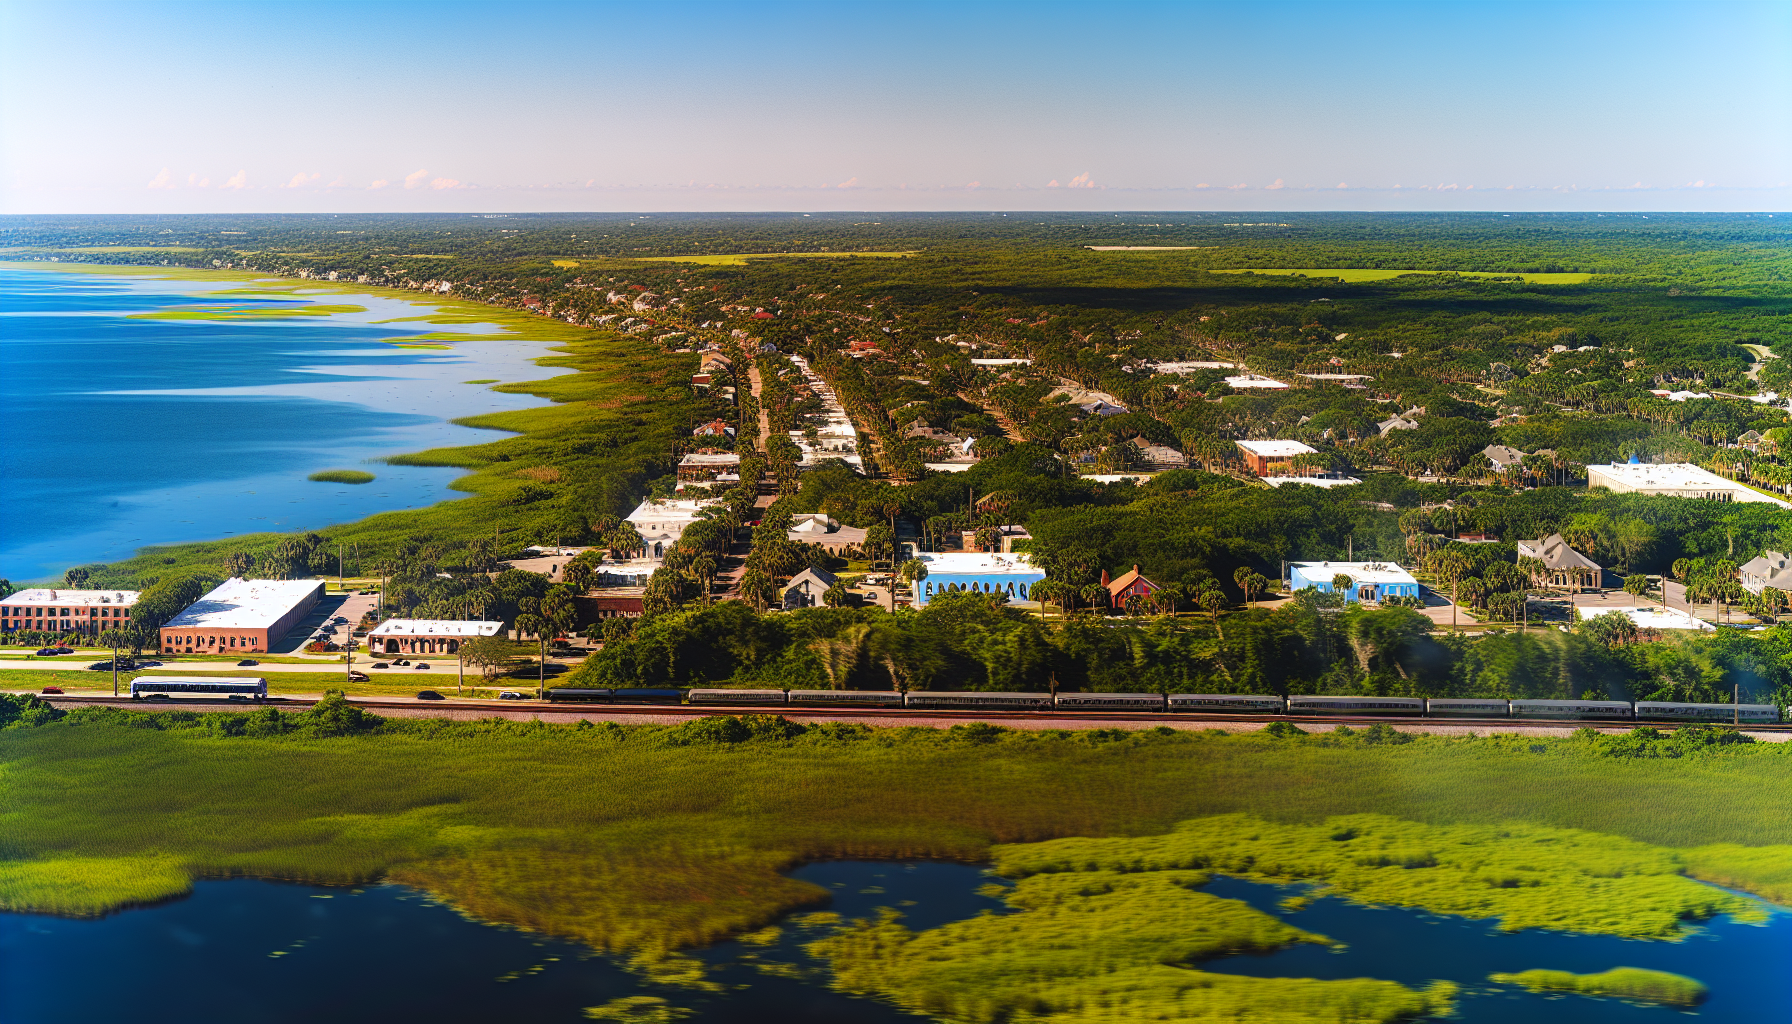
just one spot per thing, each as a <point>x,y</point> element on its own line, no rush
<point>242,615</point>
<point>1675,479</point>
<point>621,602</point>
<point>1369,581</point>
<point>1264,458</point>
<point>709,465</point>
<point>987,573</point>
<point>66,611</point>
<point>426,636</point>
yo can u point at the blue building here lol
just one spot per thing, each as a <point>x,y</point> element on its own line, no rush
<point>1011,575</point>
<point>1369,581</point>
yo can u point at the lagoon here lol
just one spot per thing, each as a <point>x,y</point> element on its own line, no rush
<point>124,431</point>
<point>270,952</point>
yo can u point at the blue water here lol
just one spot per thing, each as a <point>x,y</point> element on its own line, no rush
<point>386,953</point>
<point>122,433</point>
<point>1745,966</point>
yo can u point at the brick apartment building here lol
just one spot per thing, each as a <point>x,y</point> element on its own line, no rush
<point>54,610</point>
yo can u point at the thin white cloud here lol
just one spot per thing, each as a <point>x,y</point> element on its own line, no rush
<point>1277,185</point>
<point>439,183</point>
<point>238,180</point>
<point>848,183</point>
<point>160,180</point>
<point>1342,185</point>
<point>379,183</point>
<point>415,178</point>
<point>1053,184</point>
<point>1082,181</point>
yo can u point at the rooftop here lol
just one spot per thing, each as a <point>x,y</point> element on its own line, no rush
<point>1276,449</point>
<point>245,604</point>
<point>1312,481</point>
<point>1361,572</point>
<point>710,459</point>
<point>79,598</point>
<point>977,563</point>
<point>435,627</point>
<point>1676,476</point>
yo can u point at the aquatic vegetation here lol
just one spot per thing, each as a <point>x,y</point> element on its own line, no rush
<point>638,1010</point>
<point>1100,946</point>
<point>342,476</point>
<point>634,838</point>
<point>86,886</point>
<point>1619,982</point>
<point>1526,876</point>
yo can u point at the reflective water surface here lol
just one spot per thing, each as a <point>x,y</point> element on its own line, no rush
<point>271,953</point>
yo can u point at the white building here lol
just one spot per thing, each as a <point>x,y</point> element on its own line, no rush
<point>54,610</point>
<point>1011,575</point>
<point>1768,569</point>
<point>426,636</point>
<point>1675,479</point>
<point>661,523</point>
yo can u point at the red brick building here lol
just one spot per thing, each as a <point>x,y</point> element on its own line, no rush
<point>242,615</point>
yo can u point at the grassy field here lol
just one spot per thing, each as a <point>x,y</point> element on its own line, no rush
<point>342,476</point>
<point>1353,276</point>
<point>740,259</point>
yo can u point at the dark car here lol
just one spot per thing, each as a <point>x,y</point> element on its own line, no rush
<point>149,664</point>
<point>52,689</point>
<point>429,695</point>
<point>421,665</point>
<point>357,677</point>
<point>381,664</point>
<point>248,661</point>
<point>65,650</point>
<point>47,652</point>
<point>402,661</point>
<point>510,695</point>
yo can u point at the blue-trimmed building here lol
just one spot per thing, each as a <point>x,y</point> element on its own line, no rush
<point>1369,581</point>
<point>1012,575</point>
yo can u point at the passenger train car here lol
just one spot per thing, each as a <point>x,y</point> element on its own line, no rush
<point>189,686</point>
<point>1191,703</point>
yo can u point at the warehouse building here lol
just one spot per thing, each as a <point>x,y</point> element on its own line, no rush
<point>242,615</point>
<point>66,611</point>
<point>1676,479</point>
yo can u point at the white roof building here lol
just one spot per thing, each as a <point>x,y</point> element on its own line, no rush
<point>661,523</point>
<point>247,604</point>
<point>1360,572</point>
<point>1326,482</point>
<point>39,596</point>
<point>1251,380</point>
<point>1276,449</point>
<point>1674,479</point>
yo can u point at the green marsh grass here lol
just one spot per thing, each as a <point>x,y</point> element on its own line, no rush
<point>342,476</point>
<point>1355,275</point>
<point>634,837</point>
<point>1634,983</point>
<point>1095,946</point>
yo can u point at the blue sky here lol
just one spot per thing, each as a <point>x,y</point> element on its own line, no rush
<point>151,107</point>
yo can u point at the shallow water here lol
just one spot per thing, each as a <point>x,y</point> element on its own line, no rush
<point>254,952</point>
<point>122,433</point>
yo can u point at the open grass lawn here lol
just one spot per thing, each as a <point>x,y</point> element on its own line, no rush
<point>1352,276</point>
<point>740,259</point>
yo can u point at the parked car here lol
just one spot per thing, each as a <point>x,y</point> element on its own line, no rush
<point>357,677</point>
<point>247,662</point>
<point>52,689</point>
<point>422,664</point>
<point>381,664</point>
<point>65,650</point>
<point>106,666</point>
<point>429,695</point>
<point>149,664</point>
<point>47,652</point>
<point>510,695</point>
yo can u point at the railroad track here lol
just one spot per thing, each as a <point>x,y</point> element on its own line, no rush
<point>867,714</point>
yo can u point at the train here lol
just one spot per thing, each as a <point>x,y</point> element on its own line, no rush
<point>1189,703</point>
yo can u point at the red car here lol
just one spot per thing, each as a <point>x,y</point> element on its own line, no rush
<point>52,689</point>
